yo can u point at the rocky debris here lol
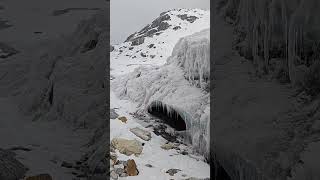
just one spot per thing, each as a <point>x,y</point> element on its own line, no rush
<point>10,168</point>
<point>131,168</point>
<point>143,134</point>
<point>40,177</point>
<point>66,164</point>
<point>137,41</point>
<point>177,28</point>
<point>127,147</point>
<point>157,25</point>
<point>143,55</point>
<point>114,175</point>
<point>168,146</point>
<point>123,119</point>
<point>150,45</point>
<point>160,130</point>
<point>113,158</point>
<point>152,56</point>
<point>172,172</point>
<point>185,17</point>
<point>113,114</point>
<point>111,48</point>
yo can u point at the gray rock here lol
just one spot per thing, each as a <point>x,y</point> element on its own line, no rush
<point>114,175</point>
<point>172,172</point>
<point>185,17</point>
<point>113,114</point>
<point>119,171</point>
<point>149,165</point>
<point>145,135</point>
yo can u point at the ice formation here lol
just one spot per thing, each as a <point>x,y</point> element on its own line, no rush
<point>173,87</point>
<point>286,25</point>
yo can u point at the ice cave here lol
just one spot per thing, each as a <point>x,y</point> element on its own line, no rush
<point>168,114</point>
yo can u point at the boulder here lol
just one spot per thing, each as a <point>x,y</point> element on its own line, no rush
<point>131,168</point>
<point>145,135</point>
<point>127,147</point>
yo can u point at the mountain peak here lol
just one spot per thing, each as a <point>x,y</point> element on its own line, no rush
<point>156,40</point>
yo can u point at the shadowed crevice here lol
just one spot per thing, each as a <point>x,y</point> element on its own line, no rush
<point>168,114</point>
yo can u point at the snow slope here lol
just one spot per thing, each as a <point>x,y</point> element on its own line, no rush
<point>125,56</point>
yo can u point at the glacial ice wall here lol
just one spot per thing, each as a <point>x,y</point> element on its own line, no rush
<point>287,29</point>
<point>170,85</point>
<point>192,53</point>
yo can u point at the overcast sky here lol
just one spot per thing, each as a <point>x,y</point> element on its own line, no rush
<point>129,16</point>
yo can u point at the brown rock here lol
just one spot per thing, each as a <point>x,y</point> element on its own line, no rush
<point>123,119</point>
<point>131,168</point>
<point>40,177</point>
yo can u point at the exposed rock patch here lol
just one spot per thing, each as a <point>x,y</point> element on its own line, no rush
<point>185,17</point>
<point>127,147</point>
<point>145,135</point>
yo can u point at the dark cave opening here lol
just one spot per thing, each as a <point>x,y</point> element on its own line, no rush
<point>173,118</point>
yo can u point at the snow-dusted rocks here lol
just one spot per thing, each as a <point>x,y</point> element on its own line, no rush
<point>143,134</point>
<point>127,147</point>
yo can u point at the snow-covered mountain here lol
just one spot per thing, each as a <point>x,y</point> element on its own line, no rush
<point>154,43</point>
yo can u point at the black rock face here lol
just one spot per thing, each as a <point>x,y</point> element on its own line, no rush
<point>185,17</point>
<point>154,28</point>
